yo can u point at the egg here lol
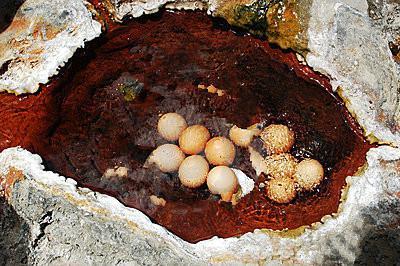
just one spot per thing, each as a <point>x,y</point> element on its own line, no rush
<point>223,181</point>
<point>193,139</point>
<point>241,137</point>
<point>193,171</point>
<point>280,165</point>
<point>309,174</point>
<point>158,201</point>
<point>277,138</point>
<point>220,151</point>
<point>167,158</point>
<point>171,125</point>
<point>281,190</point>
<point>257,161</point>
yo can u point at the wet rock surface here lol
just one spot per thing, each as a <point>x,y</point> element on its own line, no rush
<point>282,22</point>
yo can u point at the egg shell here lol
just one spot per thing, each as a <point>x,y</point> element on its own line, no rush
<point>277,138</point>
<point>281,190</point>
<point>220,151</point>
<point>280,165</point>
<point>193,171</point>
<point>171,125</point>
<point>193,139</point>
<point>241,137</point>
<point>222,180</point>
<point>167,157</point>
<point>309,174</point>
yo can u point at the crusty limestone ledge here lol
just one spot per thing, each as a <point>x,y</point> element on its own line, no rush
<point>120,9</point>
<point>352,49</point>
<point>67,224</point>
<point>42,37</point>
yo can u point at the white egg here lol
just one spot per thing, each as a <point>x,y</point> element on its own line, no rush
<point>171,125</point>
<point>223,181</point>
<point>281,190</point>
<point>277,138</point>
<point>193,139</point>
<point>167,157</point>
<point>220,151</point>
<point>193,171</point>
<point>309,174</point>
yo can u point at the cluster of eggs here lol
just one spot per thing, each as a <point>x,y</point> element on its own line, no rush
<point>194,170</point>
<point>287,175</point>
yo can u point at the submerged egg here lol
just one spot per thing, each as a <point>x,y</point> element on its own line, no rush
<point>281,190</point>
<point>309,174</point>
<point>223,181</point>
<point>171,125</point>
<point>241,137</point>
<point>167,157</point>
<point>280,165</point>
<point>193,171</point>
<point>158,201</point>
<point>277,138</point>
<point>257,161</point>
<point>193,139</point>
<point>220,151</point>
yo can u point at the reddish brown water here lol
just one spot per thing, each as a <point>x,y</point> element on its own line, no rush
<point>82,125</point>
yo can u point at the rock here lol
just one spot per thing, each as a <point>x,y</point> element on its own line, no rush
<point>41,38</point>
<point>247,14</point>
<point>287,23</point>
<point>14,237</point>
<point>385,15</point>
<point>187,5</point>
<point>345,44</point>
<point>67,224</point>
<point>120,9</point>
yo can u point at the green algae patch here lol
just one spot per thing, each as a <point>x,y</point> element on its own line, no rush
<point>287,24</point>
<point>252,17</point>
<point>283,22</point>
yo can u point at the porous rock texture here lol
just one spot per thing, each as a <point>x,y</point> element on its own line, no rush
<point>350,47</point>
<point>121,9</point>
<point>41,38</point>
<point>48,220</point>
